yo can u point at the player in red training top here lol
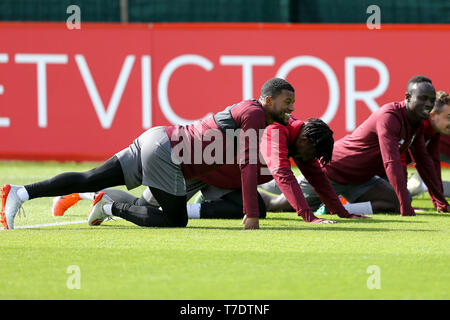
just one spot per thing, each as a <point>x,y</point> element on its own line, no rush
<point>308,144</point>
<point>436,129</point>
<point>373,151</point>
<point>154,159</point>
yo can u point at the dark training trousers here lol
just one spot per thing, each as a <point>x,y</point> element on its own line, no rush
<point>229,206</point>
<point>110,174</point>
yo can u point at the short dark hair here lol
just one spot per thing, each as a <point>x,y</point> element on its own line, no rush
<point>415,80</point>
<point>274,86</point>
<point>320,136</point>
<point>442,98</point>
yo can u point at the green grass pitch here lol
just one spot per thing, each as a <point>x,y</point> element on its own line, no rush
<point>386,257</point>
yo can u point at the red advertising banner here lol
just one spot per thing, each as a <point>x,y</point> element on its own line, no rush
<point>86,94</point>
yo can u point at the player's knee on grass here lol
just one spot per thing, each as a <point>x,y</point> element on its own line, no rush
<point>173,207</point>
<point>139,212</point>
<point>179,221</point>
<point>382,197</point>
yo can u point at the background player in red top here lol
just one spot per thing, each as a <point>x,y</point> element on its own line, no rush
<point>436,131</point>
<point>310,145</point>
<point>149,161</point>
<point>373,151</point>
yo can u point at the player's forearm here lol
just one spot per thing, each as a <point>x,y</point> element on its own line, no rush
<point>288,184</point>
<point>398,182</point>
<point>249,190</point>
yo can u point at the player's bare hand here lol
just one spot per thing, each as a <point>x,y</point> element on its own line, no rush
<point>324,221</point>
<point>250,223</point>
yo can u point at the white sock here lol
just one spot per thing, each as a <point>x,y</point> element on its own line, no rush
<point>193,210</point>
<point>23,195</point>
<point>359,207</point>
<point>87,195</point>
<point>107,209</point>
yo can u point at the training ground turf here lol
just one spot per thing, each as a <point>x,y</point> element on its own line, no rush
<point>386,257</point>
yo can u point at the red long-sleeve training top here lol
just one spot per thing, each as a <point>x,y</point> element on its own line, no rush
<point>209,137</point>
<point>374,148</point>
<point>276,148</point>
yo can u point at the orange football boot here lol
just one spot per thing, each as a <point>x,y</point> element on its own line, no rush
<point>5,191</point>
<point>62,203</point>
<point>343,200</point>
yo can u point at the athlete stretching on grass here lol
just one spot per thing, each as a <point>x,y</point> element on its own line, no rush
<point>166,160</point>
<point>374,149</point>
<point>217,203</point>
<point>223,201</point>
<point>305,142</point>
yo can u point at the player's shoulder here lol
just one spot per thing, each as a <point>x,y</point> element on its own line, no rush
<point>395,106</point>
<point>249,111</point>
<point>248,106</point>
<point>394,109</point>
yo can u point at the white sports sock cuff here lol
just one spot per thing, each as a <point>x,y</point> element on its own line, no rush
<point>107,209</point>
<point>22,193</point>
<point>193,210</point>
<point>87,195</point>
<point>359,207</point>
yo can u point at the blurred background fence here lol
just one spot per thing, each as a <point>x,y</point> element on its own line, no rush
<point>285,11</point>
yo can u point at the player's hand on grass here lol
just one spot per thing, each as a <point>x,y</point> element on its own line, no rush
<point>447,209</point>
<point>323,221</point>
<point>250,223</point>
